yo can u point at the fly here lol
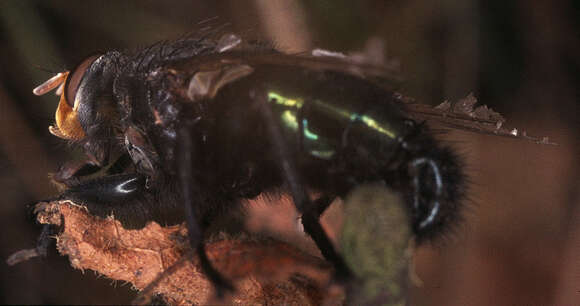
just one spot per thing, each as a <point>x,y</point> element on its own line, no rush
<point>186,130</point>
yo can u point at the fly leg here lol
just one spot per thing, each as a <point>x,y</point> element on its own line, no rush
<point>45,239</point>
<point>114,193</point>
<point>321,204</point>
<point>192,196</point>
<point>71,172</point>
<point>41,249</point>
<point>310,212</point>
<point>69,175</point>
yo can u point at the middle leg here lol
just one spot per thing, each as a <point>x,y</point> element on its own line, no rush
<point>192,195</point>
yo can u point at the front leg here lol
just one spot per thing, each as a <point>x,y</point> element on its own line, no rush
<point>118,195</point>
<point>71,173</point>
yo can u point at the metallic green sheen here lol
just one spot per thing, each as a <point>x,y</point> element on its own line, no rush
<point>317,144</point>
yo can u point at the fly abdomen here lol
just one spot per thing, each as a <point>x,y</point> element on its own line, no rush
<point>341,131</point>
<point>433,184</point>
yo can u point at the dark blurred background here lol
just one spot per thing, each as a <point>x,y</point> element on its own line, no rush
<point>520,241</point>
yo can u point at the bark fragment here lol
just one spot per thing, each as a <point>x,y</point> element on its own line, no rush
<point>263,270</point>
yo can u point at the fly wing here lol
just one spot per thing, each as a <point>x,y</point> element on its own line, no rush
<point>463,115</point>
<point>466,115</point>
<point>384,76</point>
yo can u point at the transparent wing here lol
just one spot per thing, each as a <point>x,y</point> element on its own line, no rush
<point>463,115</point>
<point>466,115</point>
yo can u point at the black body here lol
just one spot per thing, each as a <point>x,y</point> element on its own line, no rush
<point>207,127</point>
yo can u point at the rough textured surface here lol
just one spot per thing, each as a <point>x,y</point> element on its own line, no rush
<point>264,271</point>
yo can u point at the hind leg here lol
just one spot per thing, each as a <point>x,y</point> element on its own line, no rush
<point>310,212</point>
